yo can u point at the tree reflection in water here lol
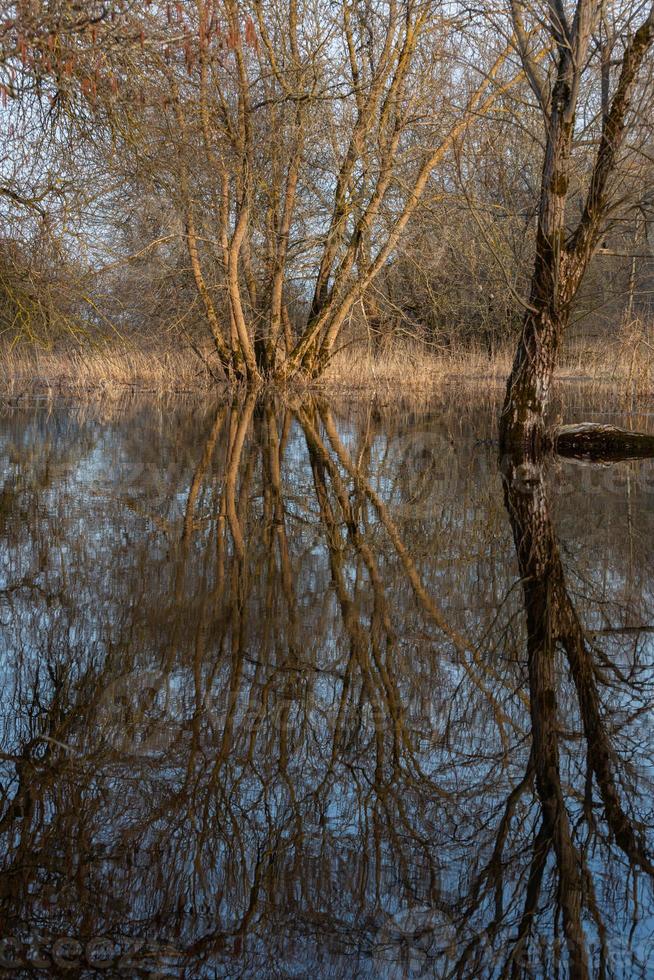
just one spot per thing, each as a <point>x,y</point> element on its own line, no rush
<point>281,698</point>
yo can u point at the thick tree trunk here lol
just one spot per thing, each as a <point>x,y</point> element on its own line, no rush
<point>562,257</point>
<point>523,424</point>
<point>554,281</point>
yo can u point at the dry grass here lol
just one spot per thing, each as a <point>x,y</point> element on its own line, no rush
<point>411,368</point>
<point>111,370</point>
<point>623,369</point>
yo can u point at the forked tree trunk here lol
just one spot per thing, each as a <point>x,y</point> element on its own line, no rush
<point>523,422</point>
<point>563,255</point>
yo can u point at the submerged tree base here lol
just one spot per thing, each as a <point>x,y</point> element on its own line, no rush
<point>591,440</point>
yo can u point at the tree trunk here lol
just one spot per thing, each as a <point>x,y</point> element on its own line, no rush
<point>523,424</point>
<point>562,257</point>
<point>523,421</point>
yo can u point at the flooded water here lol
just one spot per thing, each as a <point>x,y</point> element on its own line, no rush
<point>323,692</point>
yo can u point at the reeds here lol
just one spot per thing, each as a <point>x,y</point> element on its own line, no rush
<point>109,370</point>
<point>623,368</point>
<point>409,367</point>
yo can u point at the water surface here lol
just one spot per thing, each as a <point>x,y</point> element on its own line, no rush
<point>321,691</point>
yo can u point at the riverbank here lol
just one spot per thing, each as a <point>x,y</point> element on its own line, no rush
<point>625,369</point>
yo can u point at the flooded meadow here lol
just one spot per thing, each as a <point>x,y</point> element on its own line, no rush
<point>321,690</point>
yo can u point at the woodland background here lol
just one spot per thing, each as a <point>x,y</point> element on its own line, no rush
<point>281,181</point>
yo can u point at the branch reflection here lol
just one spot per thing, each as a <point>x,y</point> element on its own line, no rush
<point>268,714</point>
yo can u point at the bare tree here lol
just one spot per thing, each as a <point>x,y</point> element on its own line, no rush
<point>296,144</point>
<point>597,53</point>
<point>55,71</point>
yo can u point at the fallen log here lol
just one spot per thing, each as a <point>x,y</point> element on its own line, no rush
<point>592,440</point>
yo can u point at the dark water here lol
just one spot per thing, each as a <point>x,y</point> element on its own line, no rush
<point>320,693</point>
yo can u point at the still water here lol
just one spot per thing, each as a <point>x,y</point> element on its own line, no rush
<point>320,691</point>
